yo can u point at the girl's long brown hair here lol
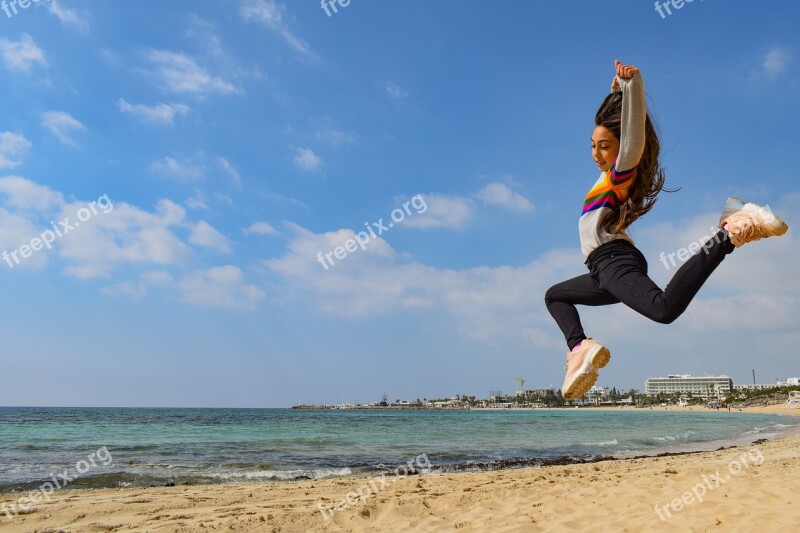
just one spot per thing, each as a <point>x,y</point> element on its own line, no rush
<point>650,177</point>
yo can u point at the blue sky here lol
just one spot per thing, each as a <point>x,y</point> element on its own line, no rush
<point>226,144</point>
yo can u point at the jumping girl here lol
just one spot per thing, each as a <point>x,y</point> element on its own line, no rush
<point>625,147</point>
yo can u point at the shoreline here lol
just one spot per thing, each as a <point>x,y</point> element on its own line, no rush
<point>572,496</point>
<point>478,465</point>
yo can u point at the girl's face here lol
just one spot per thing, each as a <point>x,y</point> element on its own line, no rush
<point>605,148</point>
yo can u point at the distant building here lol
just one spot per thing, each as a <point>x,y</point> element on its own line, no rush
<point>790,382</point>
<point>754,386</point>
<point>706,387</point>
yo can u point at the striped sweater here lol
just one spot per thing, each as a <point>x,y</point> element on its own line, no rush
<point>612,187</point>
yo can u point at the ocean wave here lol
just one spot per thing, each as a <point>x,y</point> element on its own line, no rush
<point>612,442</point>
<point>674,438</point>
<point>283,475</point>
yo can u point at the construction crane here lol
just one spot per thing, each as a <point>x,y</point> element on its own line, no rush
<point>521,385</point>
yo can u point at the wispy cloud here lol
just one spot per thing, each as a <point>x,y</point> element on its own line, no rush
<point>261,228</point>
<point>775,62</point>
<point>178,73</point>
<point>197,200</point>
<point>230,170</point>
<point>203,234</point>
<point>62,125</point>
<point>155,114</point>
<point>306,159</point>
<point>271,15</point>
<point>222,287</point>
<point>172,168</point>
<point>443,211</point>
<point>68,17</point>
<point>500,194</point>
<point>203,31</point>
<point>334,137</point>
<point>395,91</point>
<point>12,145</point>
<point>21,55</point>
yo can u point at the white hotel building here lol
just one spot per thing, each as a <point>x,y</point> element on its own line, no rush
<point>707,387</point>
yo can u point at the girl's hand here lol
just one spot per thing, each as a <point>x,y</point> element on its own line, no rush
<point>624,72</point>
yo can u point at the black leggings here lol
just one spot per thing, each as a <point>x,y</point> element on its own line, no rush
<point>618,273</point>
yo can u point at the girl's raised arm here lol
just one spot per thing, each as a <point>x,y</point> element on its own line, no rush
<point>634,114</point>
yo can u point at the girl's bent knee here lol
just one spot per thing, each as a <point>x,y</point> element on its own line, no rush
<point>548,296</point>
<point>664,317</point>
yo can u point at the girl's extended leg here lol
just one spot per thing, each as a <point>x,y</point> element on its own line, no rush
<point>625,277</point>
<point>562,298</point>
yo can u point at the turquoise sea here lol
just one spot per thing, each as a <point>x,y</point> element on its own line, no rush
<point>117,447</point>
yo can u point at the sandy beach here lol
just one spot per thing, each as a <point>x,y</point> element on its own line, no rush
<point>733,488</point>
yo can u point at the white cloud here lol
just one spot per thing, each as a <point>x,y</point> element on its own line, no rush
<point>61,125</point>
<point>125,234</point>
<point>12,145</point>
<point>159,113</point>
<point>203,234</point>
<point>500,194</point>
<point>172,168</point>
<point>197,200</point>
<point>24,194</point>
<point>224,197</point>
<point>484,302</point>
<point>137,289</point>
<point>395,91</point>
<point>270,15</point>
<point>16,230</point>
<point>68,17</point>
<point>306,159</point>
<point>260,228</point>
<point>775,62</point>
<point>222,287</point>
<point>334,137</point>
<point>21,55</point>
<point>115,233</point>
<point>443,212</point>
<point>203,30</point>
<point>230,170</point>
<point>177,73</point>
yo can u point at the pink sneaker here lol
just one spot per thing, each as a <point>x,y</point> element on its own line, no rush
<point>581,367</point>
<point>749,222</point>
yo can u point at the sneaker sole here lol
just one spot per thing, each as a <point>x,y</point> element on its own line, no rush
<point>581,385</point>
<point>588,376</point>
<point>733,204</point>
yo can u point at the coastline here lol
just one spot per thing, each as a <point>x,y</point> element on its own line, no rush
<point>618,494</point>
